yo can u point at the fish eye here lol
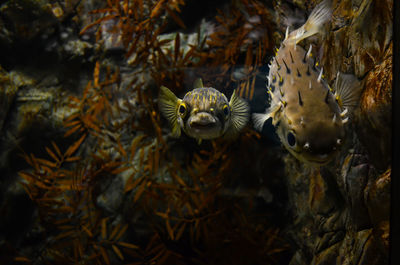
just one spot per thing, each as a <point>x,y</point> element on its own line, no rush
<point>182,109</point>
<point>291,139</point>
<point>225,109</point>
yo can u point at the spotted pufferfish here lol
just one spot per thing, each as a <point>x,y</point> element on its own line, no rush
<point>308,115</point>
<point>204,112</point>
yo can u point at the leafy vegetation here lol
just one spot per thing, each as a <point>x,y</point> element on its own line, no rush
<point>185,218</point>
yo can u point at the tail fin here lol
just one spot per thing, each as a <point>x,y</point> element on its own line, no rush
<point>318,17</point>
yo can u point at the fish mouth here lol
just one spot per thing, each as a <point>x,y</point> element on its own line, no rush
<point>202,126</point>
<point>203,120</point>
<point>316,159</point>
<point>320,159</point>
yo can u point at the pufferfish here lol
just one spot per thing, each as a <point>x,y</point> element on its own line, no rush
<point>204,112</point>
<point>308,115</point>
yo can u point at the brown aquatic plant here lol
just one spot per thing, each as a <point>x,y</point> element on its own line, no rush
<point>181,199</point>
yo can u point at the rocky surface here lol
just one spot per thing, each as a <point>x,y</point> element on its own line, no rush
<point>134,191</point>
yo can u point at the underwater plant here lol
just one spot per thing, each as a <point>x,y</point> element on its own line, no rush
<point>121,191</point>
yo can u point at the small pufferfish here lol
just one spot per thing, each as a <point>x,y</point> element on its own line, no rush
<point>308,115</point>
<point>204,112</point>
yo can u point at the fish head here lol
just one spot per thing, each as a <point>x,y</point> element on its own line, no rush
<point>204,113</point>
<point>314,142</point>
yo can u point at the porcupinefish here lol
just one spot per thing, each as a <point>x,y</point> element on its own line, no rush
<point>308,115</point>
<point>204,112</point>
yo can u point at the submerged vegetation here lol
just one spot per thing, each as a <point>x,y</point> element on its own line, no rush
<point>123,191</point>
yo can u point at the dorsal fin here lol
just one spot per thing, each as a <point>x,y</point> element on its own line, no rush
<point>321,14</point>
<point>198,83</point>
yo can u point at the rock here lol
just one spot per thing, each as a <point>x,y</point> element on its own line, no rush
<point>375,115</point>
<point>368,36</point>
<point>356,41</point>
<point>25,19</point>
<point>15,223</point>
<point>112,195</point>
<point>328,256</point>
<point>7,94</point>
<point>377,198</point>
<point>355,173</point>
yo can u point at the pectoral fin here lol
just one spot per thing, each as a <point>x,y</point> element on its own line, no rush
<point>259,119</point>
<point>240,114</point>
<point>168,103</point>
<point>347,91</point>
<point>273,112</point>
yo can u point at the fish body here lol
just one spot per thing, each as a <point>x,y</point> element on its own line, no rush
<point>204,112</point>
<point>308,115</point>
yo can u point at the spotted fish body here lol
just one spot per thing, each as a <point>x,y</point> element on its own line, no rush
<point>204,112</point>
<point>309,116</point>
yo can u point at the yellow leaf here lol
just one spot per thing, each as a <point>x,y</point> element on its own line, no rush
<point>79,248</point>
<point>117,251</point>
<point>141,157</point>
<point>169,229</point>
<point>72,158</point>
<point>72,123</point>
<point>121,232</point>
<point>127,245</point>
<point>156,10</point>
<point>161,260</point>
<point>130,186</point>
<point>253,83</point>
<point>46,163</point>
<point>176,18</point>
<point>52,154</point>
<point>180,231</point>
<point>97,22</point>
<point>22,259</point>
<point>71,117</point>
<point>135,144</point>
<point>105,256</point>
<point>75,146</point>
<point>249,56</point>
<point>119,170</point>
<point>115,231</point>
<point>139,191</point>
<point>65,234</point>
<point>121,149</point>
<point>163,215</point>
<point>178,179</point>
<point>104,228</point>
<point>87,231</point>
<point>56,148</point>
<point>71,131</point>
